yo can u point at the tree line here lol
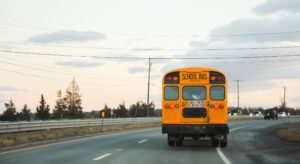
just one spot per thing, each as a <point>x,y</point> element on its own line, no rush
<point>69,107</point>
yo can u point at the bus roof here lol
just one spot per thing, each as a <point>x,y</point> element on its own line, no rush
<point>193,69</point>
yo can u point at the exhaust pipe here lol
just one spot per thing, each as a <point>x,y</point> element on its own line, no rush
<point>219,137</point>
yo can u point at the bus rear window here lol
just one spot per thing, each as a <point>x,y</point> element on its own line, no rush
<point>194,93</point>
<point>217,93</point>
<point>171,93</point>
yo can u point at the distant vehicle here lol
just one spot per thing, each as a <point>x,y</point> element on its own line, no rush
<point>256,113</point>
<point>195,105</point>
<point>270,113</point>
<point>282,114</point>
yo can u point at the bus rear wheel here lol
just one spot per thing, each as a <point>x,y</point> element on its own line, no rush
<point>215,143</point>
<point>179,143</point>
<point>219,142</point>
<point>171,142</point>
<point>175,140</point>
<point>223,143</point>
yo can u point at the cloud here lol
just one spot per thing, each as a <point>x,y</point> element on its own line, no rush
<point>11,89</point>
<point>6,46</point>
<point>273,6</point>
<point>77,64</point>
<point>138,69</point>
<point>258,30</point>
<point>257,74</point>
<point>295,99</point>
<point>148,49</point>
<point>66,36</point>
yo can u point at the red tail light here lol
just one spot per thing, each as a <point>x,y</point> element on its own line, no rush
<point>220,78</point>
<point>169,78</point>
<point>172,106</point>
<point>216,106</point>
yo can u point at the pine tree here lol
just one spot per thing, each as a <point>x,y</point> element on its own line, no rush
<point>140,109</point>
<point>73,101</point>
<point>59,111</point>
<point>10,113</point>
<point>107,111</point>
<point>42,111</point>
<point>121,111</point>
<point>135,109</point>
<point>25,114</point>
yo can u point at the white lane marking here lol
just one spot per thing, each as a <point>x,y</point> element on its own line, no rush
<point>119,150</point>
<point>234,129</point>
<point>145,140</point>
<point>102,156</point>
<point>223,157</point>
<point>219,151</point>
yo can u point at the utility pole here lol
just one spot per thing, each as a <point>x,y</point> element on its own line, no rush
<point>238,92</point>
<point>73,101</point>
<point>284,104</point>
<point>149,70</point>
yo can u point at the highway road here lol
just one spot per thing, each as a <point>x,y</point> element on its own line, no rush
<point>248,142</point>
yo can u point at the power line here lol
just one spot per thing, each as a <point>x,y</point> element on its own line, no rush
<point>32,75</point>
<point>155,49</point>
<point>142,58</point>
<point>161,35</point>
<point>70,72</point>
<point>47,78</point>
<point>66,73</point>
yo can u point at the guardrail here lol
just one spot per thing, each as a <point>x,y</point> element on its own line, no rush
<point>7,127</point>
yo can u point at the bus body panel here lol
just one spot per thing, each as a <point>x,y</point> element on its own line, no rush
<point>215,121</point>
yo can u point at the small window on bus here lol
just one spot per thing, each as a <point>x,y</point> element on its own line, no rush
<point>194,93</point>
<point>217,93</point>
<point>171,93</point>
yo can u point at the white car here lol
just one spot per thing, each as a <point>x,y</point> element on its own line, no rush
<point>281,114</point>
<point>255,113</point>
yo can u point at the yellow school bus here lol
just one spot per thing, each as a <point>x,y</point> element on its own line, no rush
<point>194,105</point>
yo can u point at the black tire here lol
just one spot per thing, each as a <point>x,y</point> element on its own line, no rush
<point>265,118</point>
<point>223,143</point>
<point>215,143</point>
<point>179,143</point>
<point>170,141</point>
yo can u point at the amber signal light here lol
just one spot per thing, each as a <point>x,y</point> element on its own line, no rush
<point>213,78</point>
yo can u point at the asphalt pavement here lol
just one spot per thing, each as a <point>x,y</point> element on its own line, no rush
<point>248,142</point>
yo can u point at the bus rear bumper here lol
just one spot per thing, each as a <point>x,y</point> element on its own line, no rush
<point>195,129</point>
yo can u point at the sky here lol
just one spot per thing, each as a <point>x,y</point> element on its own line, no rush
<point>45,44</point>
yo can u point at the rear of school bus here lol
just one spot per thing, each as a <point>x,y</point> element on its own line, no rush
<point>195,105</point>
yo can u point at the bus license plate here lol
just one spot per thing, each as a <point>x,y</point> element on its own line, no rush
<point>196,104</point>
